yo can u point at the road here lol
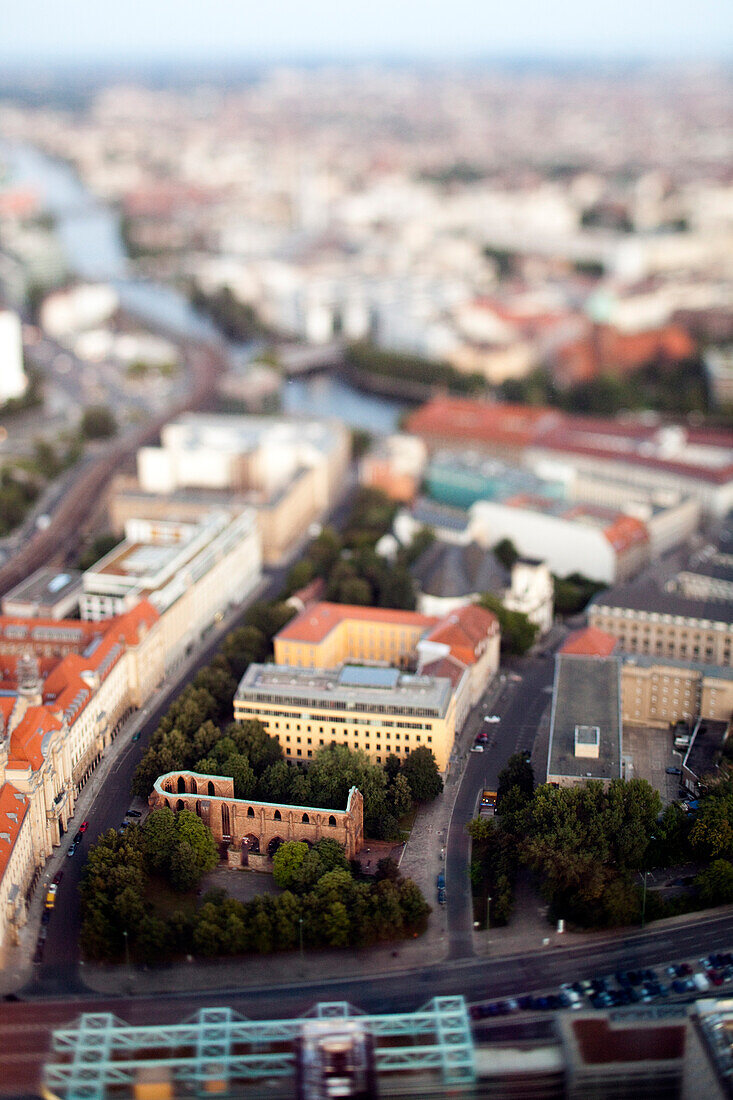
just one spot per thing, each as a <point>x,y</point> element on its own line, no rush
<point>67,520</point>
<point>520,706</point>
<point>25,1028</point>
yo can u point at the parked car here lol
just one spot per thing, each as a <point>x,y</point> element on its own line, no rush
<point>71,850</point>
<point>477,748</point>
<point>57,877</point>
<point>84,826</point>
<point>673,771</point>
<point>133,813</point>
<point>136,735</point>
<point>77,836</point>
<point>492,718</point>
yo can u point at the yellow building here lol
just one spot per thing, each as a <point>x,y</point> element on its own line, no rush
<point>659,691</point>
<point>329,634</point>
<point>377,710</point>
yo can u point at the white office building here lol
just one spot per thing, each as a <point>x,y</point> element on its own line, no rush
<point>13,380</point>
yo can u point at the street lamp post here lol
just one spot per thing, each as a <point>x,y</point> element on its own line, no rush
<point>300,939</point>
<point>643,901</point>
<point>488,922</point>
<point>127,959</point>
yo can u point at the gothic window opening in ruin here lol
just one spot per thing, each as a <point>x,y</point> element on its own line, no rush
<point>225,824</point>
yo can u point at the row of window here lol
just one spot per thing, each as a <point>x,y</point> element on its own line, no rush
<point>265,712</point>
<point>303,703</point>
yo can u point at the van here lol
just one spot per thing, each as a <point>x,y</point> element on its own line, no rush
<point>702,985</point>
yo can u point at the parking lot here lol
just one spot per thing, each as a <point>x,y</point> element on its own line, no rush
<point>647,753</point>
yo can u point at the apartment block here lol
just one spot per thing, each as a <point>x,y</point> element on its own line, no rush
<point>189,572</point>
<point>65,689</point>
<point>378,710</point>
<point>290,472</point>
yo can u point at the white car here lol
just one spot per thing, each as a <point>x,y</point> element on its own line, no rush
<point>492,718</point>
<point>477,748</point>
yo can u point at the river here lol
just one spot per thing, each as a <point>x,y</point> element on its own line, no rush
<point>89,233</point>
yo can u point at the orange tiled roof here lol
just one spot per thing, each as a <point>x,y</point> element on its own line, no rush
<point>13,808</point>
<point>589,642</point>
<point>26,740</point>
<point>463,631</point>
<point>66,691</point>
<point>316,623</point>
<point>626,531</point>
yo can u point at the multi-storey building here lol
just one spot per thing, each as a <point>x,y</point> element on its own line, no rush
<point>463,645</point>
<point>659,691</point>
<point>189,573</point>
<point>643,455</point>
<point>378,710</point>
<point>66,687</point>
<point>585,726</point>
<point>684,614</point>
<point>571,538</point>
<point>328,634</point>
<point>290,472</point>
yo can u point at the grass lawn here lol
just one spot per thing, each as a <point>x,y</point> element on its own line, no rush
<point>406,822</point>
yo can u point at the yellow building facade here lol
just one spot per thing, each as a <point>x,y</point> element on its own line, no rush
<point>377,710</point>
<point>330,634</point>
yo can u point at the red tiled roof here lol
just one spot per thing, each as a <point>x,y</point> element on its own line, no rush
<point>456,418</point>
<point>316,623</point>
<point>522,426</point>
<point>448,667</point>
<point>589,642</point>
<point>13,808</point>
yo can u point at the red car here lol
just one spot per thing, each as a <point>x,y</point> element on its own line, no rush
<point>57,877</point>
<point>84,826</point>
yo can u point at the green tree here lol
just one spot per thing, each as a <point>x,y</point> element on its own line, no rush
<point>242,647</point>
<point>517,773</point>
<point>325,551</point>
<point>287,863</point>
<point>159,839</point>
<point>401,795</point>
<point>420,769</point>
<point>245,781</point>
<point>191,830</point>
<point>98,422</point>
<point>715,883</point>
<point>712,834</point>
<point>506,552</point>
<point>301,574</point>
<point>269,618</point>
<point>518,634</point>
<point>184,872</point>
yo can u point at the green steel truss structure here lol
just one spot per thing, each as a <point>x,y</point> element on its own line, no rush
<point>101,1054</point>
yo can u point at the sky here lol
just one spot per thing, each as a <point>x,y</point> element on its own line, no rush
<point>262,30</point>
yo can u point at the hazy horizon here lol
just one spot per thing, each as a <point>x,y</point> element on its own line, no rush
<point>83,33</point>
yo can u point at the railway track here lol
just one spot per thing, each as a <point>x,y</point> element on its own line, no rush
<point>205,363</point>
